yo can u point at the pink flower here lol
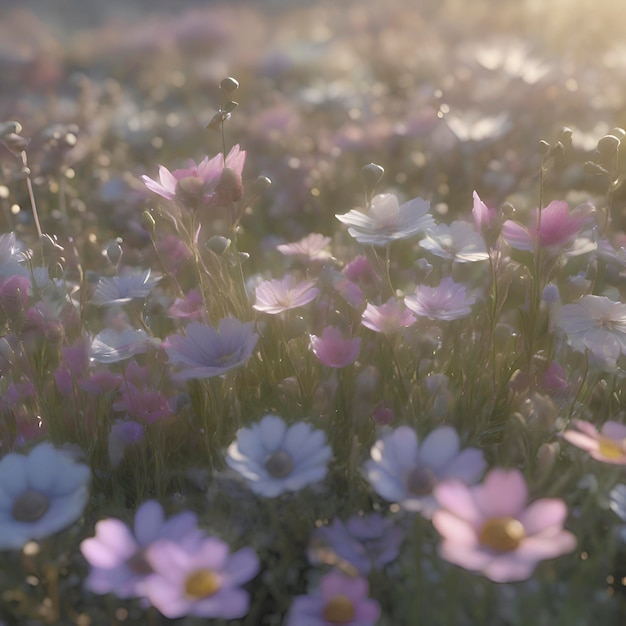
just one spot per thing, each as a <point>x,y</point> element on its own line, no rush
<point>313,247</point>
<point>339,599</point>
<point>448,301</point>
<point>203,185</point>
<point>484,217</point>
<point>333,350</point>
<point>556,229</point>
<point>608,445</point>
<point>489,528</point>
<point>387,318</point>
<point>276,296</point>
<point>190,307</point>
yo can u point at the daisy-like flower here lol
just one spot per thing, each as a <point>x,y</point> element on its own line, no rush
<point>403,471</point>
<point>312,247</point>
<point>111,346</point>
<point>448,301</point>
<point>205,352</point>
<point>201,579</point>
<point>117,554</point>
<point>387,318</point>
<point>364,542</point>
<point>490,529</point>
<point>40,494</point>
<point>387,220</point>
<point>333,350</point>
<point>608,445</point>
<point>339,599</point>
<point>122,289</point>
<point>276,296</point>
<point>555,230</point>
<point>198,186</point>
<point>597,324</point>
<point>274,458</point>
<point>457,242</point>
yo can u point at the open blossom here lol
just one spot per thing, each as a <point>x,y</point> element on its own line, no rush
<point>122,289</point>
<point>597,324</point>
<point>457,242</point>
<point>387,220</point>
<point>276,296</point>
<point>608,445</point>
<point>205,352</point>
<point>388,317</point>
<point>556,229</point>
<point>333,350</point>
<point>447,301</point>
<point>339,599</point>
<point>403,471</point>
<point>274,458</point>
<point>312,247</point>
<point>198,186</point>
<point>489,528</point>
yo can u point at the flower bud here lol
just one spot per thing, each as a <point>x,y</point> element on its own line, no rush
<point>608,145</point>
<point>229,85</point>
<point>218,244</point>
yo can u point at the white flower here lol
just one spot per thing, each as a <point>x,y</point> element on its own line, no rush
<point>387,220</point>
<point>597,324</point>
<point>111,346</point>
<point>275,459</point>
<point>40,494</point>
<point>457,242</point>
<point>447,301</point>
<point>122,289</point>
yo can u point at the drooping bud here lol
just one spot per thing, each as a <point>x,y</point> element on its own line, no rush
<point>229,85</point>
<point>544,147</point>
<point>218,244</point>
<point>608,145</point>
<point>372,173</point>
<point>10,128</point>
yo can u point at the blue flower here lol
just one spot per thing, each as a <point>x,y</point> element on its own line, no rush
<point>40,494</point>
<point>275,459</point>
<point>121,289</point>
<point>111,346</point>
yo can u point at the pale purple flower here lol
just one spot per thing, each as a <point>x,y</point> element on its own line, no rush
<point>117,554</point>
<point>275,458</point>
<point>457,242</point>
<point>387,220</point>
<point>124,433</point>
<point>11,256</point>
<point>205,352</point>
<point>190,307</point>
<point>554,379</point>
<point>14,296</point>
<point>484,217</point>
<point>363,543</point>
<point>360,270</point>
<point>490,529</point>
<point>124,288</point>
<point>388,317</point>
<point>617,502</point>
<point>597,324</point>
<point>608,445</point>
<point>312,247</point>
<point>333,350</point>
<point>405,472</point>
<point>111,346</point>
<point>198,186</point>
<point>40,494</point>
<point>448,301</point>
<point>202,579</point>
<point>350,292</point>
<point>277,296</point>
<point>556,229</point>
<point>339,599</point>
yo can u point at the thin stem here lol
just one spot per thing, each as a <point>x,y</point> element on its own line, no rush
<point>31,194</point>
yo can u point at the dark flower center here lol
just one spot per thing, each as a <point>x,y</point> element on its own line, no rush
<point>421,481</point>
<point>279,464</point>
<point>30,506</point>
<point>138,564</point>
<point>339,610</point>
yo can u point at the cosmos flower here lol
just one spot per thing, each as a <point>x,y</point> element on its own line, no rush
<point>277,296</point>
<point>111,346</point>
<point>388,317</point>
<point>608,445</point>
<point>339,599</point>
<point>333,350</point>
<point>312,247</point>
<point>274,458</point>
<point>405,472</point>
<point>457,242</point>
<point>387,220</point>
<point>117,554</point>
<point>489,528</point>
<point>597,324</point>
<point>201,579</point>
<point>205,352</point>
<point>122,289</point>
<point>448,301</point>
<point>40,494</point>
<point>198,186</point>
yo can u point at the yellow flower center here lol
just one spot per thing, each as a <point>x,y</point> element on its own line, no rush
<point>30,506</point>
<point>610,448</point>
<point>339,610</point>
<point>202,583</point>
<point>503,534</point>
